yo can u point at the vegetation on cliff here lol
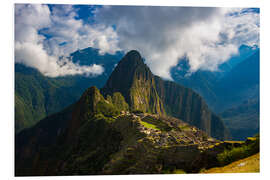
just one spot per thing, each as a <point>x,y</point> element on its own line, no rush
<point>37,96</point>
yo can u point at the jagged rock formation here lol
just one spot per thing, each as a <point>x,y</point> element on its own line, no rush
<point>148,93</point>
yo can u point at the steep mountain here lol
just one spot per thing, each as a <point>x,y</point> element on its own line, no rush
<point>189,106</point>
<point>212,85</point>
<point>92,136</point>
<point>234,95</point>
<point>241,84</point>
<point>148,93</point>
<point>134,80</point>
<point>202,82</point>
<point>37,96</point>
<point>244,53</point>
<point>111,136</point>
<point>243,120</point>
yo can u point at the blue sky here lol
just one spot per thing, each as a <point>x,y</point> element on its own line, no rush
<point>163,35</point>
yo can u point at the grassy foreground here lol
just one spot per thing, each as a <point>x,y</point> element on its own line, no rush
<point>247,165</point>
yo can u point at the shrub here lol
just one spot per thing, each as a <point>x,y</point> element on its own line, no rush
<point>107,109</point>
<point>236,153</point>
<point>119,101</point>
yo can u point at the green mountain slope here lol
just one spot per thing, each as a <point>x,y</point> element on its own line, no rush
<point>243,120</point>
<point>92,136</point>
<point>111,136</point>
<point>37,96</point>
<point>134,80</point>
<point>148,93</point>
<point>34,95</point>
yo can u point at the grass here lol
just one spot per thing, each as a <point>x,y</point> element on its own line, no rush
<point>250,164</point>
<point>179,171</point>
<point>148,125</point>
<point>176,171</point>
<point>185,127</point>
<point>157,123</point>
<point>251,138</point>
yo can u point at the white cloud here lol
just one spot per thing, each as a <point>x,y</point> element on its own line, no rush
<point>243,27</point>
<point>67,34</point>
<point>35,56</point>
<point>207,36</point>
<point>163,35</point>
<point>76,35</point>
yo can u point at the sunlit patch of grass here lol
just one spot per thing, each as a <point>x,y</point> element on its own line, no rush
<point>176,171</point>
<point>159,124</point>
<point>251,138</point>
<point>148,125</point>
<point>185,127</point>
<point>179,171</point>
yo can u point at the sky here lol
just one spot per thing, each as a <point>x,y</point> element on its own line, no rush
<point>163,35</point>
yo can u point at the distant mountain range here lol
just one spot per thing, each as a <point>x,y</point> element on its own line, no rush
<point>243,120</point>
<point>127,128</point>
<point>229,89</point>
<point>239,75</point>
<point>37,96</point>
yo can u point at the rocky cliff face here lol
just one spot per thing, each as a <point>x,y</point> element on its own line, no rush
<point>187,105</point>
<point>134,80</point>
<point>148,93</point>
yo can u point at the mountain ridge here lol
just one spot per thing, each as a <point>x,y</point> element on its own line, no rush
<point>213,86</point>
<point>93,137</point>
<point>146,92</point>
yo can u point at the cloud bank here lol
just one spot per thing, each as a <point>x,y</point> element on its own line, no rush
<point>163,35</point>
<point>206,36</point>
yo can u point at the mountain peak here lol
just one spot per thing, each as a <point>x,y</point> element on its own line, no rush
<point>132,59</point>
<point>134,53</point>
<point>92,91</point>
<point>134,80</point>
<point>124,73</point>
<point>90,98</point>
<point>148,93</point>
